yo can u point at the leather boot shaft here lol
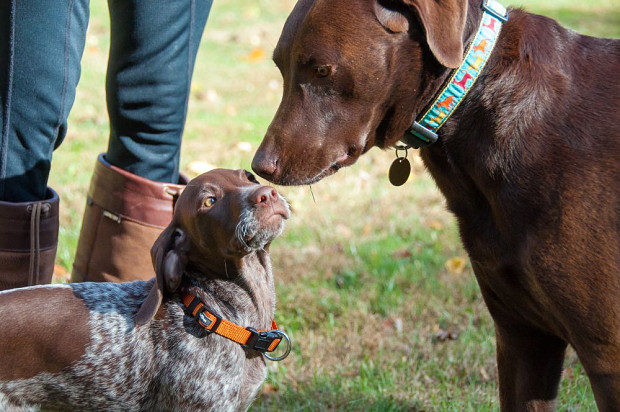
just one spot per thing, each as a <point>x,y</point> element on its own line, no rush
<point>28,241</point>
<point>124,215</point>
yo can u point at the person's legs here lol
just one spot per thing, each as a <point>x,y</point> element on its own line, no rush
<point>152,53</point>
<point>41,43</point>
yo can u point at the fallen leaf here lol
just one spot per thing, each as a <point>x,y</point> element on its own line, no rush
<point>61,274</point>
<point>402,254</point>
<point>257,54</point>
<point>485,375</point>
<point>398,325</point>
<point>444,335</point>
<point>269,389</point>
<point>435,224</point>
<point>568,374</point>
<point>456,265</point>
<point>367,229</point>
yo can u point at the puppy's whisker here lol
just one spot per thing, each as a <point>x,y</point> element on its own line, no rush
<point>240,232</point>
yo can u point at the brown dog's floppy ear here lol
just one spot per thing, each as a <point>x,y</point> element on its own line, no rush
<point>444,24</point>
<point>443,21</point>
<point>169,255</point>
<point>392,20</point>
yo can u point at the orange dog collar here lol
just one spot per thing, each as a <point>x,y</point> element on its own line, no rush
<point>263,341</point>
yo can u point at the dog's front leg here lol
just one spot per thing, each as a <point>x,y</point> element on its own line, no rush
<point>530,366</point>
<point>603,370</point>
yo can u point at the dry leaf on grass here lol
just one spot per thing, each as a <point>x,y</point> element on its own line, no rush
<point>402,254</point>
<point>456,265</point>
<point>269,389</point>
<point>448,334</point>
<point>61,274</point>
<point>484,374</point>
<point>395,323</point>
<point>257,54</point>
<point>367,229</point>
<point>435,224</point>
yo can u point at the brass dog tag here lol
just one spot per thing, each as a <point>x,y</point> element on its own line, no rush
<point>399,171</point>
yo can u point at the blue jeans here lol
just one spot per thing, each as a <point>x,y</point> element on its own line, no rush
<point>152,54</point>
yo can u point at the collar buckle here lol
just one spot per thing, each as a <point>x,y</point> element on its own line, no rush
<point>496,10</point>
<point>268,341</point>
<point>261,341</point>
<point>419,136</point>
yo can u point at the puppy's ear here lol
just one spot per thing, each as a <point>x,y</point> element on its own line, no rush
<point>443,22</point>
<point>169,255</point>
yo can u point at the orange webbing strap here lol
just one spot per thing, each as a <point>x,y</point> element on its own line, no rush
<point>247,337</point>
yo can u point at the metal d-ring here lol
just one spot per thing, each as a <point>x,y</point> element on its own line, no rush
<point>400,147</point>
<point>284,336</point>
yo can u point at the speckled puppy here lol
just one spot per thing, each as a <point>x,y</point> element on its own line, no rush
<point>129,347</point>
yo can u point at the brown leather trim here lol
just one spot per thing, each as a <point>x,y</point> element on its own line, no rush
<point>132,197</point>
<point>15,224</point>
<point>110,251</point>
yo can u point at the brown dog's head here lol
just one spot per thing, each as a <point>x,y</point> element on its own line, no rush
<point>356,73</point>
<point>220,215</point>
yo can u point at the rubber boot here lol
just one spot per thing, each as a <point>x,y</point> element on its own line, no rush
<point>28,241</point>
<point>124,215</point>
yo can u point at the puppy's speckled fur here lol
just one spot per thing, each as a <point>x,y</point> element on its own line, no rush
<point>168,363</point>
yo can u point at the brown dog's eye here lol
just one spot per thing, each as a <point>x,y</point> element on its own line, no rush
<point>210,201</point>
<point>323,71</point>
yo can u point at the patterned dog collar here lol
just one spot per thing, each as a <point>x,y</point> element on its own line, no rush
<point>424,131</point>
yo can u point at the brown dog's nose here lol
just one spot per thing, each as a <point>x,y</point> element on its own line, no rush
<point>264,194</point>
<point>265,166</point>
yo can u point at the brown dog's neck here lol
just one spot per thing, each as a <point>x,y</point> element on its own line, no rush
<point>474,158</point>
<point>433,76</point>
<point>245,285</point>
<point>514,120</point>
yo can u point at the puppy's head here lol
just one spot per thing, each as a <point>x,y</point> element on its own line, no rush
<point>221,214</point>
<point>356,73</point>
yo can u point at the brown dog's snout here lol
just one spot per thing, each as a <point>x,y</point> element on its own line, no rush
<point>264,164</point>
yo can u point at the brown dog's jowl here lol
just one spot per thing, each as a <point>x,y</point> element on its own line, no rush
<point>528,163</point>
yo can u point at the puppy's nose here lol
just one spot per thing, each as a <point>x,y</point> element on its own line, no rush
<point>264,195</point>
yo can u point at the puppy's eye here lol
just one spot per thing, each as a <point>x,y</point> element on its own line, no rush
<point>323,71</point>
<point>251,177</point>
<point>210,201</point>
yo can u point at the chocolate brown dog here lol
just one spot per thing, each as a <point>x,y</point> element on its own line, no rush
<point>528,163</point>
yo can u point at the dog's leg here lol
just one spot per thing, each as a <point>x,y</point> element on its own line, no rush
<point>530,367</point>
<point>604,373</point>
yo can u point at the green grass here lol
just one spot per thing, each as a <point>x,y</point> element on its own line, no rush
<point>362,282</point>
